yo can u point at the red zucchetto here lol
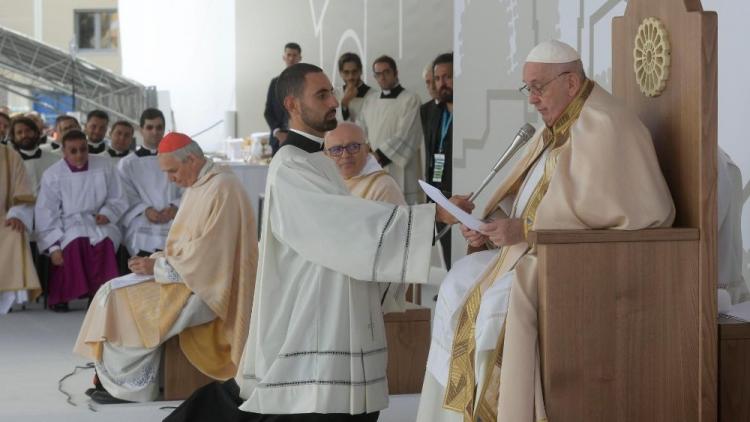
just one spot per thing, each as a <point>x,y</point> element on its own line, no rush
<point>173,141</point>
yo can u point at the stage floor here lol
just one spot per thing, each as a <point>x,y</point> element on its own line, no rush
<point>36,352</point>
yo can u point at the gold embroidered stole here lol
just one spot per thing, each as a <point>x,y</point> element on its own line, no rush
<point>461,389</point>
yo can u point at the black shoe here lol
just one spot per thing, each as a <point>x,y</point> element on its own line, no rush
<point>60,307</point>
<point>96,387</point>
<point>103,397</point>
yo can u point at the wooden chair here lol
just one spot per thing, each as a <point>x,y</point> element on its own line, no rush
<point>181,378</point>
<point>628,326</point>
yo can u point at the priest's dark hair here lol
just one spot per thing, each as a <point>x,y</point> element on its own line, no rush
<point>150,114</point>
<point>124,123</point>
<point>73,135</point>
<point>100,114</point>
<point>349,58</point>
<point>293,46</point>
<point>22,120</point>
<point>292,80</point>
<point>64,117</point>
<point>445,58</point>
<point>4,116</point>
<point>386,59</point>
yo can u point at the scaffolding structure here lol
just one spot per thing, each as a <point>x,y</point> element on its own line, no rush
<point>28,66</point>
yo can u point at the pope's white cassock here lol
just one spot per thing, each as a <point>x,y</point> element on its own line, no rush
<point>16,197</point>
<point>317,338</point>
<point>392,125</point>
<point>146,186</point>
<point>594,169</point>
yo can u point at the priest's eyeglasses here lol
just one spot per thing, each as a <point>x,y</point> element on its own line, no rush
<point>338,150</point>
<point>537,91</point>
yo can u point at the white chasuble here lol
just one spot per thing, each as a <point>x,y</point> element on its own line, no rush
<point>317,337</point>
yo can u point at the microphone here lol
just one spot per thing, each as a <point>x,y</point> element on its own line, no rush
<point>522,137</point>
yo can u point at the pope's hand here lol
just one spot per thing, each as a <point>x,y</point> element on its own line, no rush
<point>474,238</point>
<point>141,266</point>
<point>504,232</point>
<point>101,219</point>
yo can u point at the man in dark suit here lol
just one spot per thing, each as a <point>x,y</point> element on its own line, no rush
<point>276,116</point>
<point>438,137</point>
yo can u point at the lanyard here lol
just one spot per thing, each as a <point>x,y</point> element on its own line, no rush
<point>445,124</point>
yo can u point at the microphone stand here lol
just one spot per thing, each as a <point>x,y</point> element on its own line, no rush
<point>523,136</point>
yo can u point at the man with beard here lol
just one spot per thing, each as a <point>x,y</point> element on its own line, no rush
<point>355,90</point>
<point>4,128</point>
<point>96,129</point>
<point>24,136</point>
<point>311,276</point>
<point>427,108</point>
<point>438,132</point>
<point>316,349</point>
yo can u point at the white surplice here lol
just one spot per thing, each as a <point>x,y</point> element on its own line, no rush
<point>317,337</point>
<point>729,210</point>
<point>393,126</point>
<point>35,168</point>
<point>146,186</point>
<point>68,202</point>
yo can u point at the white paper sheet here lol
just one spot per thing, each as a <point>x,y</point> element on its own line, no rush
<point>128,280</point>
<point>467,219</point>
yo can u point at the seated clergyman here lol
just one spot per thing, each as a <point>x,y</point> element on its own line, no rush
<point>365,178</point>
<point>81,199</point>
<point>201,289</point>
<point>593,166</point>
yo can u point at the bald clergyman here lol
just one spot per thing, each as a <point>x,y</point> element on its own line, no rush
<point>201,286</point>
<point>592,166</point>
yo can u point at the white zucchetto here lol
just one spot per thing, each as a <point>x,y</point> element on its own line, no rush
<point>553,51</point>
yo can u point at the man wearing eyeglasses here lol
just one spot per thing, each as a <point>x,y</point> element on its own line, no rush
<point>365,178</point>
<point>592,166</point>
<point>362,174</point>
<point>393,126</point>
<point>316,349</point>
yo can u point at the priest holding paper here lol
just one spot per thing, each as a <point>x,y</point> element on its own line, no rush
<point>316,348</point>
<point>200,287</point>
<point>593,166</point>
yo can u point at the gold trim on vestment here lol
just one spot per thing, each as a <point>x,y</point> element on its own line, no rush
<point>461,391</point>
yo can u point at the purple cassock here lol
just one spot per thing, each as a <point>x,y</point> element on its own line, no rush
<point>69,199</point>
